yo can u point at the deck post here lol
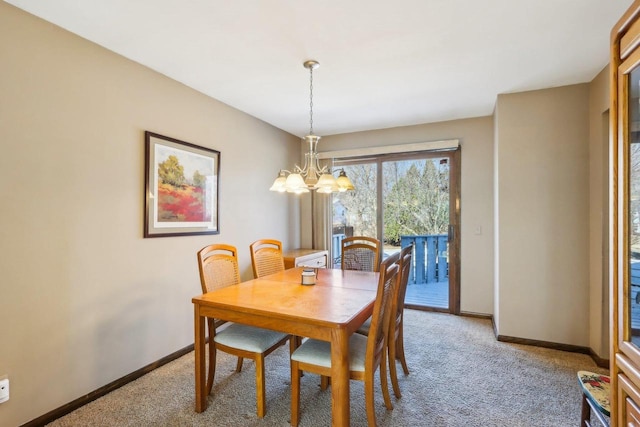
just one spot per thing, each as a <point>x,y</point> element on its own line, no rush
<point>431,259</point>
<point>443,272</point>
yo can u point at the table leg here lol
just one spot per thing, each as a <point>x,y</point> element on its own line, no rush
<point>340,397</point>
<point>199,350</point>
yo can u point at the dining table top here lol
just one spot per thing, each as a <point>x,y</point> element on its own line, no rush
<point>335,299</point>
<point>348,279</point>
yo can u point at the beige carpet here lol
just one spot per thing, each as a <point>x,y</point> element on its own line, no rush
<point>460,376</point>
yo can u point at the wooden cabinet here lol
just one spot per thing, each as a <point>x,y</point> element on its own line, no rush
<point>306,258</point>
<point>627,397</point>
<point>633,413</point>
<point>625,243</point>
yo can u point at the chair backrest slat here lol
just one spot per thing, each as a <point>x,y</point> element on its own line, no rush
<point>378,331</point>
<point>406,255</point>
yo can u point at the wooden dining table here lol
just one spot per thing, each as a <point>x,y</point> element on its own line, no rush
<point>331,310</point>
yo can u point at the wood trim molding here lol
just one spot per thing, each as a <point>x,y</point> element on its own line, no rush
<point>81,401</point>
<point>630,40</point>
<point>444,145</point>
<point>620,30</point>
<point>430,309</point>
<point>546,344</point>
<point>479,316</point>
<point>601,362</point>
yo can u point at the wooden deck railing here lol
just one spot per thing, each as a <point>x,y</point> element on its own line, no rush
<point>430,256</point>
<point>336,248</point>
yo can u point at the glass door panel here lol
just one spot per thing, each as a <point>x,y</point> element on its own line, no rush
<point>355,212</point>
<point>415,200</point>
<point>634,205</point>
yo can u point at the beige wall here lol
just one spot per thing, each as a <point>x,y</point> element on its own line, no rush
<point>476,139</point>
<point>599,98</point>
<point>543,210</point>
<point>84,299</point>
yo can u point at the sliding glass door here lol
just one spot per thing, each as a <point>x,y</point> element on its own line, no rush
<point>407,200</point>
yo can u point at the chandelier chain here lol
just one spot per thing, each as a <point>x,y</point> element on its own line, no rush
<point>311,101</point>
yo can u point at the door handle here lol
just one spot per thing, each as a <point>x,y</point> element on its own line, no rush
<point>451,234</point>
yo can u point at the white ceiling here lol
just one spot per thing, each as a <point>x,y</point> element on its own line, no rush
<point>384,63</point>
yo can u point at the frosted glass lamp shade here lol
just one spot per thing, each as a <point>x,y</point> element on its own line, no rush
<point>279,183</point>
<point>344,183</point>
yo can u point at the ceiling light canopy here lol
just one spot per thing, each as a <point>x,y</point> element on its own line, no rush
<point>311,176</point>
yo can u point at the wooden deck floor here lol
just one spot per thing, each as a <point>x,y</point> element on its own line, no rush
<point>435,294</point>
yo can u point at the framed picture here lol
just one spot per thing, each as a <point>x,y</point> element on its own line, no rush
<point>181,188</point>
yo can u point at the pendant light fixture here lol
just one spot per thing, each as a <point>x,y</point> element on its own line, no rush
<point>311,176</point>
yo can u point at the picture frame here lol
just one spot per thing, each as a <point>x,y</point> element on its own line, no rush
<point>181,188</point>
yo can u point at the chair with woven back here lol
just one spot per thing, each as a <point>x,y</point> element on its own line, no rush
<point>266,257</point>
<point>366,354</point>
<point>218,265</point>
<point>361,253</point>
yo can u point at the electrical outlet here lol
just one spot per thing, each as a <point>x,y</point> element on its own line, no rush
<point>4,390</point>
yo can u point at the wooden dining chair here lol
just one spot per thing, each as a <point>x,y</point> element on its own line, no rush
<point>396,335</point>
<point>266,257</point>
<point>218,265</point>
<point>366,354</point>
<point>361,253</point>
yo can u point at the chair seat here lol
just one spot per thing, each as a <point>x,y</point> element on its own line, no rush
<point>319,353</point>
<point>248,338</point>
<point>597,389</point>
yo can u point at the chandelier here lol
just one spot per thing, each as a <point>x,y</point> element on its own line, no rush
<point>311,176</point>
